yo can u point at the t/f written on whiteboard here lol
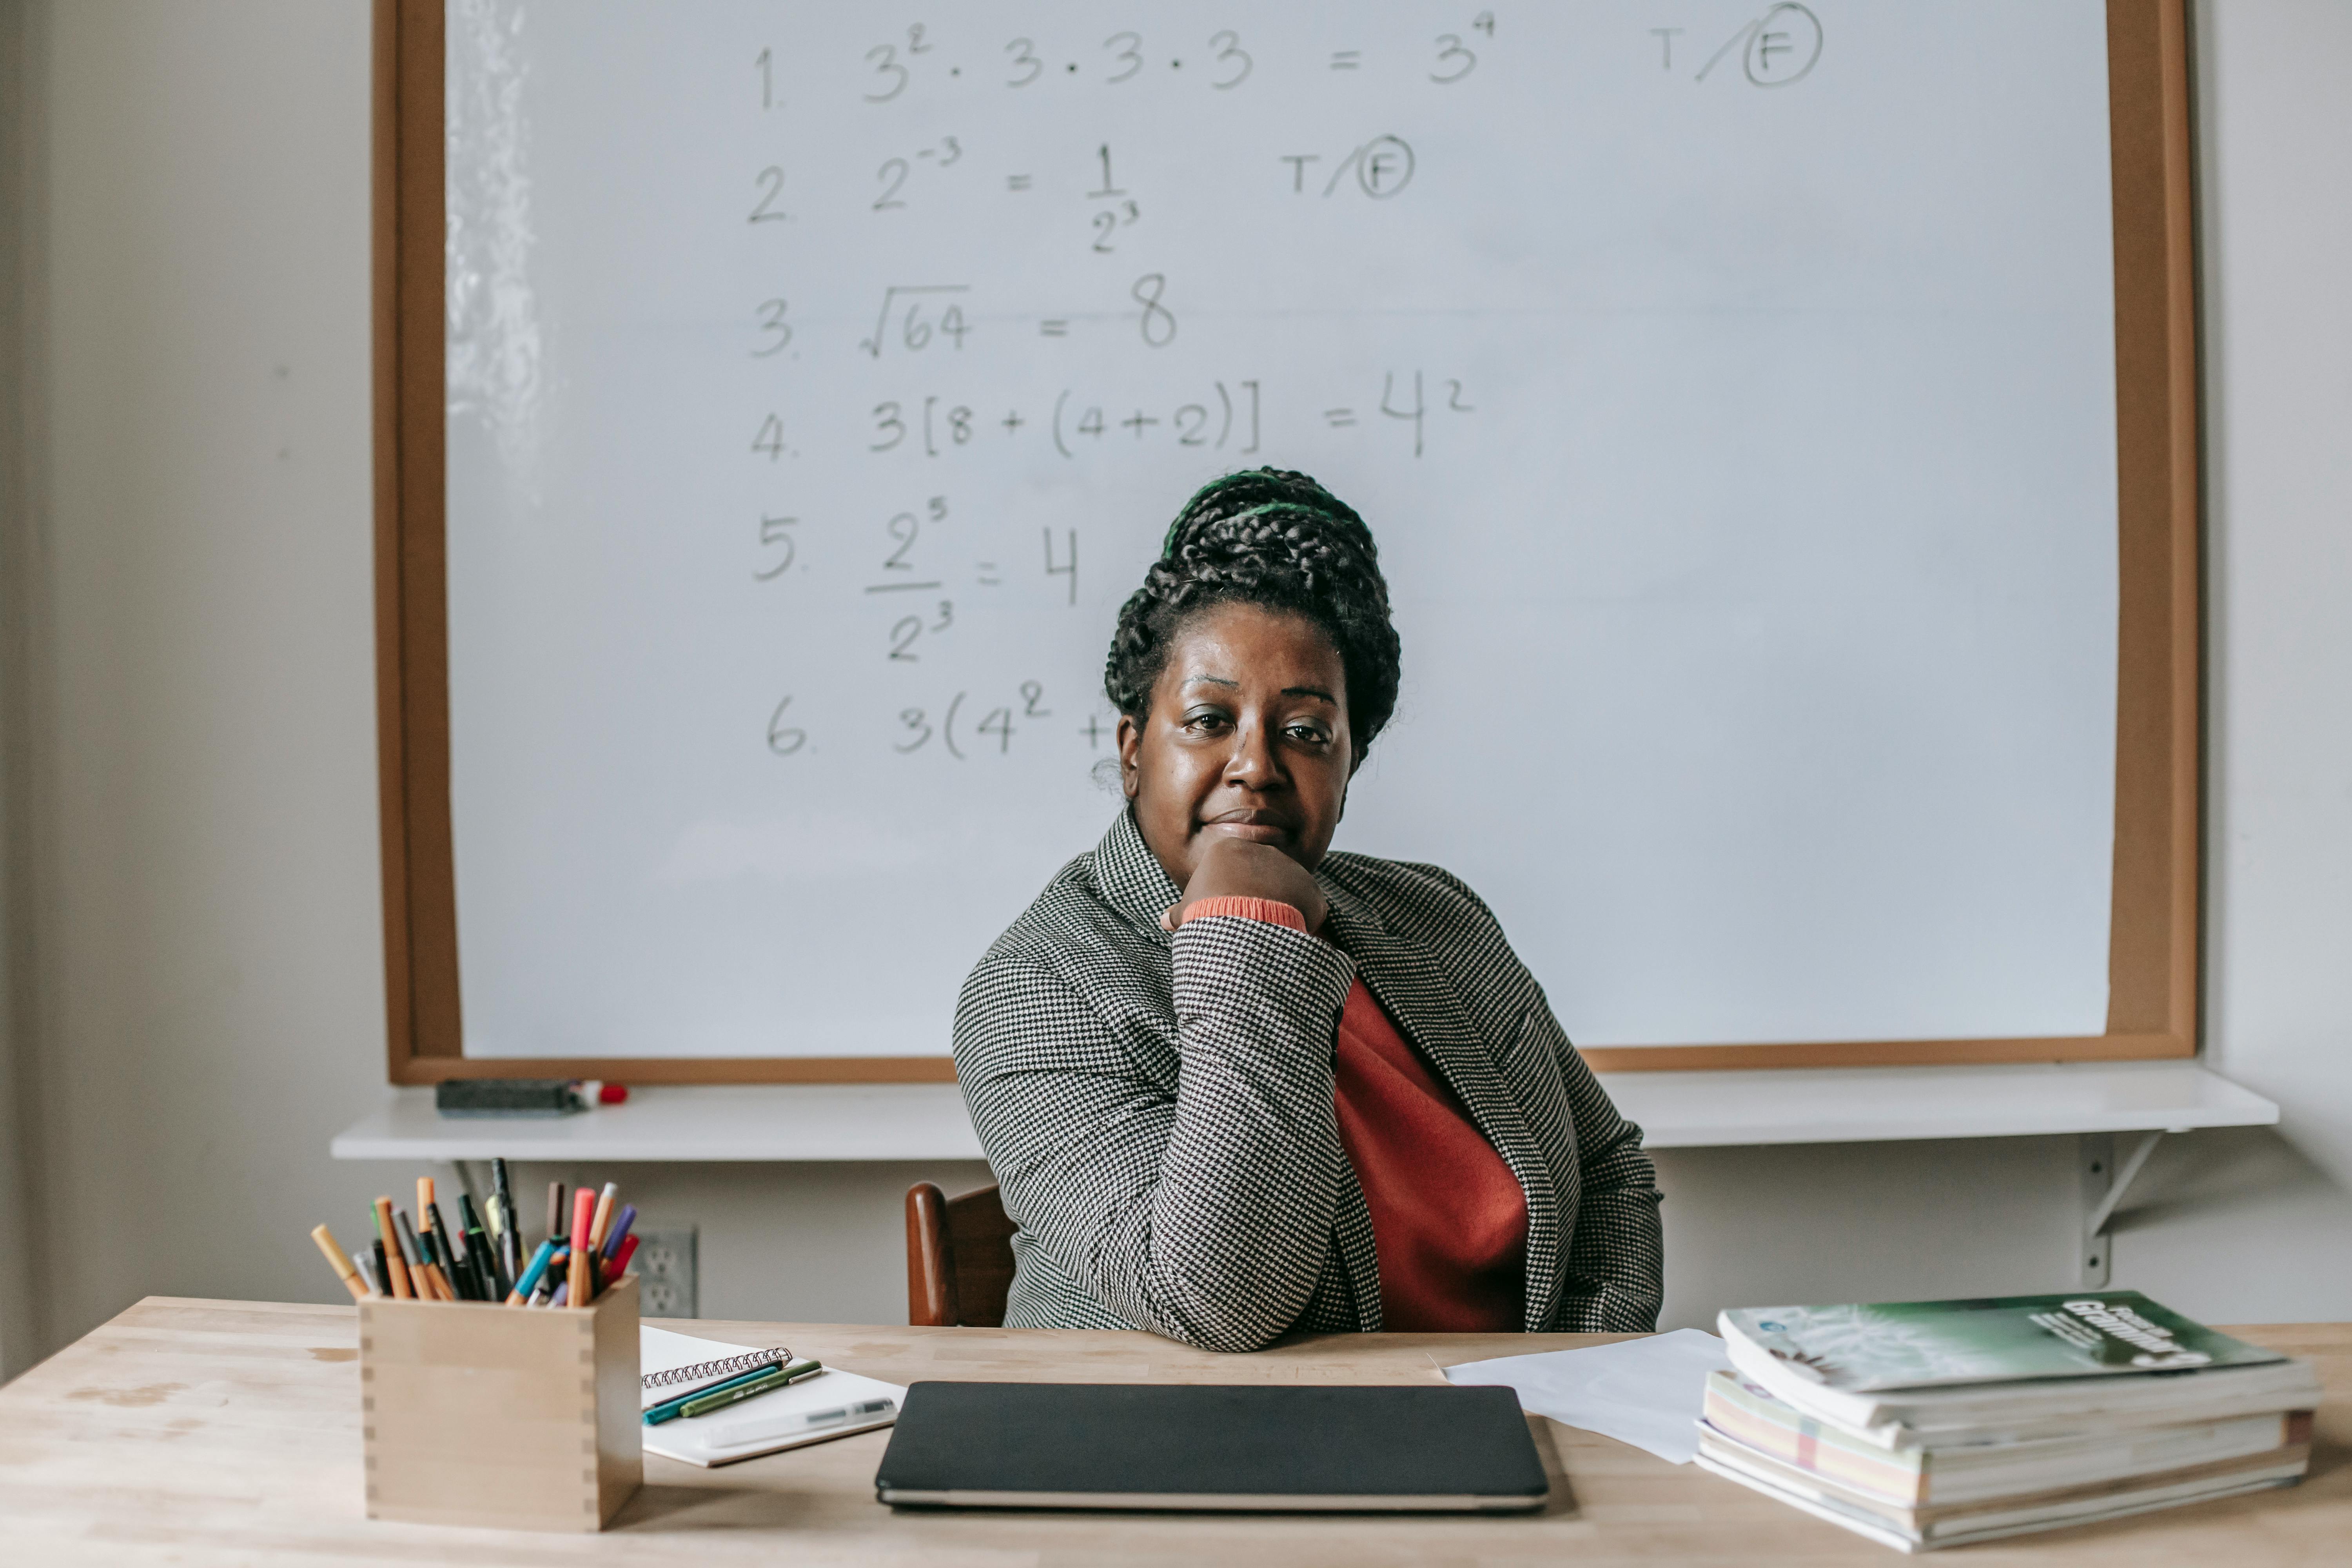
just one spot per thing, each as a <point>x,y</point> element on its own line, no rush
<point>965,378</point>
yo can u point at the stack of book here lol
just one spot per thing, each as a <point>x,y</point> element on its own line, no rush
<point>1928,1424</point>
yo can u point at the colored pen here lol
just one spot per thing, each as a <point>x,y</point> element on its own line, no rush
<point>621,1258</point>
<point>438,1254</point>
<point>342,1265</point>
<point>383,1274</point>
<point>718,1399</point>
<point>563,1295</point>
<point>460,1259</point>
<point>556,1212</point>
<point>604,1216</point>
<point>671,1409</point>
<point>368,1275</point>
<point>412,1257</point>
<point>396,1277</point>
<point>412,1251</point>
<point>621,1224</point>
<point>529,1280</point>
<point>584,1227</point>
<point>446,1257</point>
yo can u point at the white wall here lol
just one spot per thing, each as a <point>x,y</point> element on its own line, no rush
<point>192,658</point>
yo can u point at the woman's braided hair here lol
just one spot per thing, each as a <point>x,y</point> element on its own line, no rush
<point>1269,537</point>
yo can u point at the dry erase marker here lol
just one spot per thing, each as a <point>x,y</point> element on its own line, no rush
<point>342,1265</point>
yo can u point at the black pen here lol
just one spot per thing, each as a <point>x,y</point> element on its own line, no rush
<point>477,1252</point>
<point>461,1276</point>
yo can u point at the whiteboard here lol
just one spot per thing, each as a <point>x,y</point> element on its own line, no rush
<point>1732,394</point>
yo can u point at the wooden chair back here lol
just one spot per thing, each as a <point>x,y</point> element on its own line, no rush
<point>958,1258</point>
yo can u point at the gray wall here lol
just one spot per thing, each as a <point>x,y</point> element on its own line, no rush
<point>196,1001</point>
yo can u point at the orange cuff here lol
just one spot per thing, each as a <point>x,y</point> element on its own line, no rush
<point>1274,911</point>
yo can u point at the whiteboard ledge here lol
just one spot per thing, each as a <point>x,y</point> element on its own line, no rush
<point>791,1123</point>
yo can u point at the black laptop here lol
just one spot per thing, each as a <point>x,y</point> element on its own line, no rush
<point>1211,1447</point>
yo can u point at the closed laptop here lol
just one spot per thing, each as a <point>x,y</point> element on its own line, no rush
<point>1211,1447</point>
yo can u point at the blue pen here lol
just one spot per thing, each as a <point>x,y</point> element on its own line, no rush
<point>529,1280</point>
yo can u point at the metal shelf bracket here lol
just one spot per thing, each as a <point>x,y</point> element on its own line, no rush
<point>2103,1185</point>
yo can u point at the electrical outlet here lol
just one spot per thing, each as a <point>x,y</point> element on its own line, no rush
<point>663,1266</point>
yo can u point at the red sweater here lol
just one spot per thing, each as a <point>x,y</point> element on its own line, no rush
<point>1449,1220</point>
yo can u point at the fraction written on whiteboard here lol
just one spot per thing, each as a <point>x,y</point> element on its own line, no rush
<point>1734,409</point>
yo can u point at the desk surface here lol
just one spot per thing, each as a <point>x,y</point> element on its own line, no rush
<point>227,1432</point>
<point>1676,1111</point>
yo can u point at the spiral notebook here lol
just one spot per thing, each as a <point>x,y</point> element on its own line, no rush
<point>832,1404</point>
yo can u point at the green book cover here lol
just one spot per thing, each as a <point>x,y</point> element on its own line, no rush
<point>1921,1344</point>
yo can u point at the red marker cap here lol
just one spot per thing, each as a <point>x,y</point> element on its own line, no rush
<point>611,1093</point>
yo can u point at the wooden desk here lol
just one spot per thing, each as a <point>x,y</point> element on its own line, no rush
<point>227,1432</point>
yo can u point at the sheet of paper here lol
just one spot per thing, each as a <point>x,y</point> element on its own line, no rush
<point>1643,1391</point>
<point>760,1425</point>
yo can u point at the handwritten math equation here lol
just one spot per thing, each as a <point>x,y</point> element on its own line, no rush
<point>957,386</point>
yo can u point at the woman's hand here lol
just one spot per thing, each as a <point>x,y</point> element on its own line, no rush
<point>1237,869</point>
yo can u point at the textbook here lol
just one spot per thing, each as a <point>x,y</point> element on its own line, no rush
<point>1744,1414</point>
<point>1928,1424</point>
<point>1919,1530</point>
<point>2016,1366</point>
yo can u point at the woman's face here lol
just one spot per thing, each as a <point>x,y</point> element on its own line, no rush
<point>1247,738</point>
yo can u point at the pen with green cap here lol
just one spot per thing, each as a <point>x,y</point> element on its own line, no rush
<point>748,1388</point>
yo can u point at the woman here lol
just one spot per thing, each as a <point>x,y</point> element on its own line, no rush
<point>1232,1085</point>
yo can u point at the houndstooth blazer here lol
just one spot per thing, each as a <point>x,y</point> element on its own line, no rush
<point>1159,1109</point>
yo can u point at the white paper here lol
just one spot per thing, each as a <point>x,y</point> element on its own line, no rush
<point>725,1435</point>
<point>1645,1392</point>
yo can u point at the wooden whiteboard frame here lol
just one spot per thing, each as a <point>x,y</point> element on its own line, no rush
<point>2152,963</point>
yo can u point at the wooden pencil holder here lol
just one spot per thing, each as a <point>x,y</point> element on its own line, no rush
<point>488,1415</point>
